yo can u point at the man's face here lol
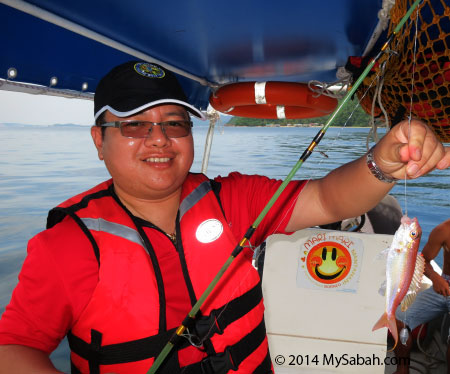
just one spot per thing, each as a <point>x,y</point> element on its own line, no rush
<point>146,168</point>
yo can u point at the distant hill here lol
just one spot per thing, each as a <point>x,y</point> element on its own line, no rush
<point>14,125</point>
<point>66,125</point>
<point>351,114</point>
<point>197,122</point>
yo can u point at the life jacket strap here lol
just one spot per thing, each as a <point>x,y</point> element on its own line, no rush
<point>135,350</point>
<point>265,367</point>
<point>145,348</point>
<point>218,320</point>
<point>73,368</point>
<point>233,355</point>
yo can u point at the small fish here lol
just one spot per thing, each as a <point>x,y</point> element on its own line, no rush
<point>404,269</point>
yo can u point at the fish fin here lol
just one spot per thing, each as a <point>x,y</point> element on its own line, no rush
<point>407,301</point>
<point>419,269</point>
<point>392,326</point>
<point>390,323</point>
<point>382,289</point>
<point>393,348</point>
<point>415,283</point>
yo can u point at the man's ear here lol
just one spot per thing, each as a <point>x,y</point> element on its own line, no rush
<point>97,137</point>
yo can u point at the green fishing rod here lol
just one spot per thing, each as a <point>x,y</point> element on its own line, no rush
<point>188,321</point>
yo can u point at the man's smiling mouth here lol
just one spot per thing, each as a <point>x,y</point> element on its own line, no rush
<point>157,159</point>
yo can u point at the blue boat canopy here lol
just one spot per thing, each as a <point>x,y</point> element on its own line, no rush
<point>67,46</point>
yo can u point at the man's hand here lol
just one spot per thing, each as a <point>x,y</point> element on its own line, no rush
<point>351,189</point>
<point>411,150</point>
<point>19,359</point>
<point>440,285</point>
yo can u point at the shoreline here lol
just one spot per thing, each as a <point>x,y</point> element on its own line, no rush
<point>294,126</point>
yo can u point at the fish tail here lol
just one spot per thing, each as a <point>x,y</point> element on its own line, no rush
<point>382,322</point>
<point>390,323</point>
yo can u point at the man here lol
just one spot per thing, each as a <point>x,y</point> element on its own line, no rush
<point>121,264</point>
<point>432,302</point>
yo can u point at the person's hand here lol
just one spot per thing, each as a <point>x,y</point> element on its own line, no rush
<point>410,151</point>
<point>440,285</point>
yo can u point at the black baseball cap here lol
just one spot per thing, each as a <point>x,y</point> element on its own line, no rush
<point>134,86</point>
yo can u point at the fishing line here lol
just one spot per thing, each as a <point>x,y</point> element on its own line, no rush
<point>288,211</point>
<point>377,100</point>
<point>316,172</point>
<point>432,358</point>
<point>328,149</point>
<point>380,102</point>
<point>411,99</point>
<point>240,246</point>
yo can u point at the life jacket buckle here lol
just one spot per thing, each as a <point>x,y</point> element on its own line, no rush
<point>206,326</point>
<point>220,363</point>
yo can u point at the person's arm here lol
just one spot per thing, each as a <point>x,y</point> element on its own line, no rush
<point>429,252</point>
<point>352,190</point>
<point>56,282</point>
<point>19,359</point>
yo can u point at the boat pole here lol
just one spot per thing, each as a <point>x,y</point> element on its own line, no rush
<point>189,319</point>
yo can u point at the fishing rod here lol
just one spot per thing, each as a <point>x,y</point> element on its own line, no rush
<point>176,337</point>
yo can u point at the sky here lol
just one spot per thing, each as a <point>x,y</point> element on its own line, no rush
<point>16,107</point>
<point>44,110</point>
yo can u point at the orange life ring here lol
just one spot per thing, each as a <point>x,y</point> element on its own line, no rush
<point>271,100</point>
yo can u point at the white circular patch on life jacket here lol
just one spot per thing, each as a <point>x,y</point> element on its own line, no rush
<point>209,230</point>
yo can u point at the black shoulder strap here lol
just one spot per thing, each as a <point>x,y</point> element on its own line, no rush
<point>57,214</point>
<point>216,187</point>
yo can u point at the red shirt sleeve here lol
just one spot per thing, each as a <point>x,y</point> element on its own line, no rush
<point>56,281</point>
<point>243,197</point>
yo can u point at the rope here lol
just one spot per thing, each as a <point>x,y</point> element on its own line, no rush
<point>336,89</point>
<point>383,22</point>
<point>213,117</point>
<point>430,100</point>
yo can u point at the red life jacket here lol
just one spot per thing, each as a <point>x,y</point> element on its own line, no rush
<point>126,324</point>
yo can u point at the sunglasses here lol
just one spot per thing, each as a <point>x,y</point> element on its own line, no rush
<point>143,129</point>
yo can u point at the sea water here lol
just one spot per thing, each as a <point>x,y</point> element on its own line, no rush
<point>43,166</point>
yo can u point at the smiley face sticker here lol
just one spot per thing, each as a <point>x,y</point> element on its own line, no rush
<point>330,261</point>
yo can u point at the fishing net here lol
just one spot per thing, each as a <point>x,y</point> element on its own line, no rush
<point>414,77</point>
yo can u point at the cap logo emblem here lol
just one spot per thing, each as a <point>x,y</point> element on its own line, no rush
<point>149,70</point>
